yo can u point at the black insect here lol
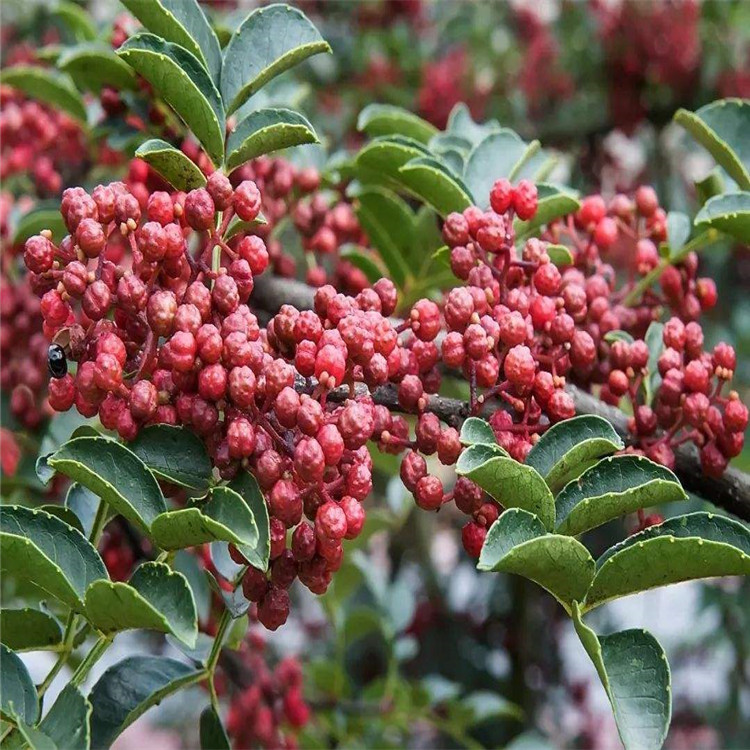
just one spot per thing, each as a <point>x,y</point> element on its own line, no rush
<point>57,364</point>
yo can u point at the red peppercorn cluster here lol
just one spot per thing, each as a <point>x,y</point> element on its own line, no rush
<point>688,404</point>
<point>269,707</point>
<point>324,224</point>
<point>46,145</point>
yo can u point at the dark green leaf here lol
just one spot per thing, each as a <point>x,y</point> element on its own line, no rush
<point>65,514</point>
<point>512,484</point>
<point>76,19</point>
<point>384,156</point>
<point>269,41</point>
<point>610,489</point>
<point>175,454</point>
<point>179,78</point>
<point>494,157</point>
<point>354,255</point>
<point>385,119</point>
<point>43,215</point>
<point>721,128</point>
<point>267,130</point>
<point>634,671</point>
<point>569,447</point>
<point>518,543</point>
<point>388,222</point>
<point>213,736</point>
<point>114,473</point>
<point>729,213</point>
<point>67,723</point>
<point>18,699</point>
<point>57,557</point>
<point>475,430</point>
<point>436,185</point>
<point>156,598</point>
<point>247,487</point>
<point>29,629</point>
<point>554,202</point>
<point>172,164</point>
<point>184,23</point>
<point>698,545</point>
<point>129,688</point>
<point>237,226</point>
<point>47,86</point>
<point>224,517</point>
<point>93,65</point>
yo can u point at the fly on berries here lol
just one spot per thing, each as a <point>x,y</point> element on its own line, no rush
<point>57,363</point>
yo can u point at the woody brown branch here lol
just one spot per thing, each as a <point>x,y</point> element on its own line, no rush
<point>731,492</point>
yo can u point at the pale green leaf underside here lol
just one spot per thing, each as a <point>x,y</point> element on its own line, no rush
<point>512,484</point>
<point>265,131</point>
<point>518,543</point>
<point>67,723</point>
<point>269,41</point>
<point>729,213</point>
<point>570,446</point>
<point>684,548</point>
<point>29,629</point>
<point>634,671</point>
<point>493,157</point>
<point>172,164</point>
<point>114,473</point>
<point>476,431</point>
<point>386,119</point>
<point>179,78</point>
<point>127,689</point>
<point>224,517</point>
<point>611,488</point>
<point>57,557</point>
<point>247,487</point>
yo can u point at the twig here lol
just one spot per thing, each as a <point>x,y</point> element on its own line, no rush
<point>731,492</point>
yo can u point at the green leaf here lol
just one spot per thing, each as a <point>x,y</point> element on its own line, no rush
<point>84,503</point>
<point>156,598</point>
<point>384,156</point>
<point>634,671</point>
<point>184,23</point>
<point>560,255</point>
<point>93,65</point>
<point>435,184</point>
<point>475,430</point>
<point>527,162</point>
<point>67,723</point>
<point>554,202</point>
<point>186,563</point>
<point>44,215</point>
<point>237,226</point>
<point>365,262</point>
<point>212,734</point>
<point>485,705</point>
<point>461,123</point>
<point>76,19</point>
<point>729,213</point>
<point>388,222</point>
<point>655,342</point>
<point>247,487</point>
<point>29,629</point>
<point>611,336</point>
<point>721,128</point>
<point>610,489</point>
<point>114,473</point>
<point>269,41</point>
<point>47,86</point>
<point>697,545</point>
<point>267,130</point>
<point>569,447</point>
<point>512,484</point>
<point>175,454</point>
<point>493,157</point>
<point>172,164</point>
<point>57,557</point>
<point>129,688</point>
<point>18,699</point>
<point>518,543</point>
<point>225,517</point>
<point>678,230</point>
<point>385,119</point>
<point>179,78</point>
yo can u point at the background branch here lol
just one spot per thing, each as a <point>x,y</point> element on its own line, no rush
<point>731,492</point>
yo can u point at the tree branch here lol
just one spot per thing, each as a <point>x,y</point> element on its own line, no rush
<point>731,492</point>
